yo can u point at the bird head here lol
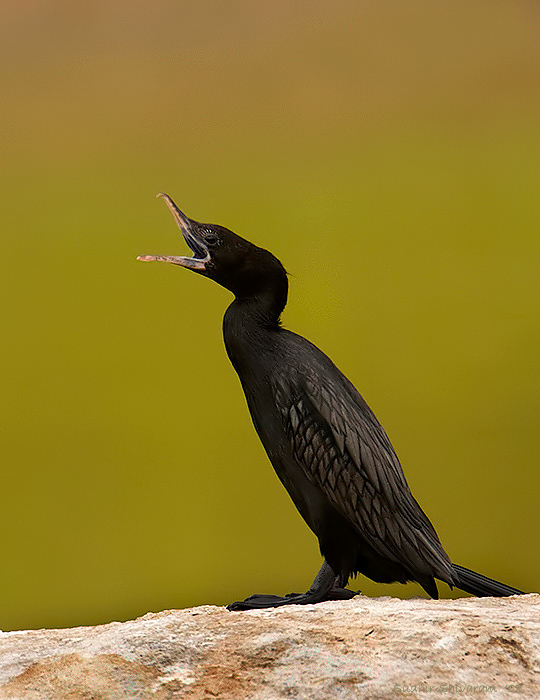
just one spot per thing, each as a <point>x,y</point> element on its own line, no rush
<point>231,261</point>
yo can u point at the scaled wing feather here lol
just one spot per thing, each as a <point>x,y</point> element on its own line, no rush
<point>344,450</point>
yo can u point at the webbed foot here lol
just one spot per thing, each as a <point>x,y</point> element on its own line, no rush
<point>326,586</point>
<point>316,594</point>
<point>257,601</point>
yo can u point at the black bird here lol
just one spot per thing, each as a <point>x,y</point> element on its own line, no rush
<point>326,446</point>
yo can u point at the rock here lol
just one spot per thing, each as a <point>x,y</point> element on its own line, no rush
<point>373,648</point>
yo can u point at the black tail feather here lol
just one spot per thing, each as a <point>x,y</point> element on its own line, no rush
<point>480,585</point>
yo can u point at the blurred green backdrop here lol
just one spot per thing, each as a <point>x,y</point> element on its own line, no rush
<point>388,153</point>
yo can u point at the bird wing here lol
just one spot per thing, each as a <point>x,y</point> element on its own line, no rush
<point>343,449</point>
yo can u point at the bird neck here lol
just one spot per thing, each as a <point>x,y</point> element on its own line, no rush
<point>249,325</point>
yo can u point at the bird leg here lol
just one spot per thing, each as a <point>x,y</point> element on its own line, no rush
<point>326,586</point>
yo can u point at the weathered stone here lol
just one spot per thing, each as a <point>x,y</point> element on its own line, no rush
<point>376,648</point>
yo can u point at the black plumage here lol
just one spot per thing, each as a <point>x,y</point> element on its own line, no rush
<point>326,445</point>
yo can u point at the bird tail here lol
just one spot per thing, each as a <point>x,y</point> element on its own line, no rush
<point>480,585</point>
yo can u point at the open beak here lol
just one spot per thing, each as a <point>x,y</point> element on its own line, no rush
<point>201,255</point>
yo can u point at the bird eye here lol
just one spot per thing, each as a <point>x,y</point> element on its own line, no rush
<point>210,238</point>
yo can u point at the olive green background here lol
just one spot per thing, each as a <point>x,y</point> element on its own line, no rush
<point>388,153</point>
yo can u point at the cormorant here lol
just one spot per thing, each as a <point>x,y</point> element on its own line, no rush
<point>326,446</point>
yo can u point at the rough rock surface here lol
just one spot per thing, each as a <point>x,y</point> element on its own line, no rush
<point>361,648</point>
